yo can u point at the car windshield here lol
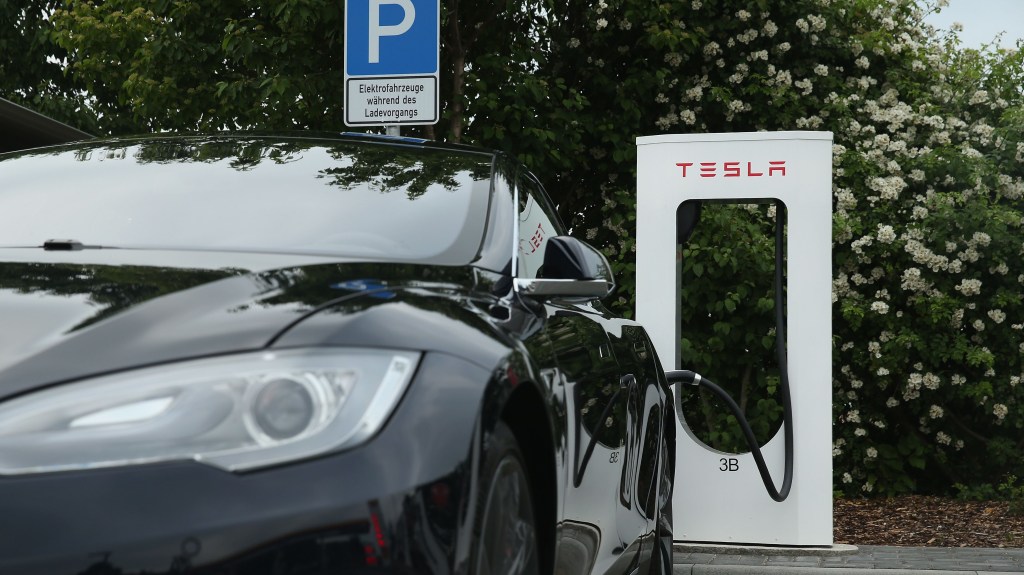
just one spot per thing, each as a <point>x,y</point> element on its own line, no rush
<point>349,198</point>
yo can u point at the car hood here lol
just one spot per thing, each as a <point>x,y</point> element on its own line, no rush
<point>71,315</point>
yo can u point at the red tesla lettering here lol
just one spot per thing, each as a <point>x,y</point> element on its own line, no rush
<point>735,170</point>
<point>538,238</point>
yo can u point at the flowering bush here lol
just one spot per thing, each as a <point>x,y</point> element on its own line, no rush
<point>928,161</point>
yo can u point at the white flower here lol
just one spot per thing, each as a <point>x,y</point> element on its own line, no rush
<point>1000,411</point>
<point>867,487</point>
<point>886,234</point>
<point>912,281</point>
<point>997,315</point>
<point>574,42</point>
<point>871,452</point>
<point>892,402</point>
<point>935,412</point>
<point>803,25</point>
<point>860,432</point>
<point>970,255</point>
<point>847,478</point>
<point>942,439</point>
<point>821,70</point>
<point>712,49</point>
<point>958,379</point>
<point>884,371</point>
<point>978,325</point>
<point>862,62</point>
<point>969,287</point>
<point>743,15</point>
<point>853,416</point>
<point>888,188</point>
<point>601,23</point>
<point>880,307</point>
<point>979,97</point>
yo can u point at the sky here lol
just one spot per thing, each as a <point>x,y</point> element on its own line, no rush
<point>982,20</point>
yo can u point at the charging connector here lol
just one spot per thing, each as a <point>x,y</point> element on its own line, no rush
<point>687,377</point>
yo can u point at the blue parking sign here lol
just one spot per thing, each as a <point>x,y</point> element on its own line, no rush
<point>391,37</point>
<point>392,50</point>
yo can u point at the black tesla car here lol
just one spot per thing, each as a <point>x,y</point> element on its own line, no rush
<point>310,355</point>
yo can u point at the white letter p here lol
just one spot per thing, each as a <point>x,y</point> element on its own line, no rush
<point>376,30</point>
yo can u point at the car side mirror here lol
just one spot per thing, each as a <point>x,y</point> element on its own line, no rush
<point>572,268</point>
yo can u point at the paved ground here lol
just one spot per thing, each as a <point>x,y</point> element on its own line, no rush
<point>845,560</point>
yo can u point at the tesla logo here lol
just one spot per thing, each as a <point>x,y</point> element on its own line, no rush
<point>734,169</point>
<point>537,239</point>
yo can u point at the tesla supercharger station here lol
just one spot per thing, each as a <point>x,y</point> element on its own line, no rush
<point>719,497</point>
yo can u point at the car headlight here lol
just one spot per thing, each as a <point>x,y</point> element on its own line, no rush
<point>236,412</point>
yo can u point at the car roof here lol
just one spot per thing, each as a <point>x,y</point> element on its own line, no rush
<point>326,137</point>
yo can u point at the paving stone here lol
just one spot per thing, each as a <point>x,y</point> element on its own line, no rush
<point>739,560</point>
<point>885,560</point>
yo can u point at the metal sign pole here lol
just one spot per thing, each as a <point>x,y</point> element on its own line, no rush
<point>394,130</point>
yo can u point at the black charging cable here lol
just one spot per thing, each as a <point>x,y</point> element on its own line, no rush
<point>687,377</point>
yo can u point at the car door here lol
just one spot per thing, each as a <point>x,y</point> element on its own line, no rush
<point>599,522</point>
<point>638,508</point>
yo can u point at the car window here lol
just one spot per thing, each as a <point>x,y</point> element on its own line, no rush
<point>538,222</point>
<point>356,199</point>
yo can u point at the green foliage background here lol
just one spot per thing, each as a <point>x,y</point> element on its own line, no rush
<point>927,160</point>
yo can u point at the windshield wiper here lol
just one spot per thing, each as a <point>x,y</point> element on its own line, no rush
<point>68,246</point>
